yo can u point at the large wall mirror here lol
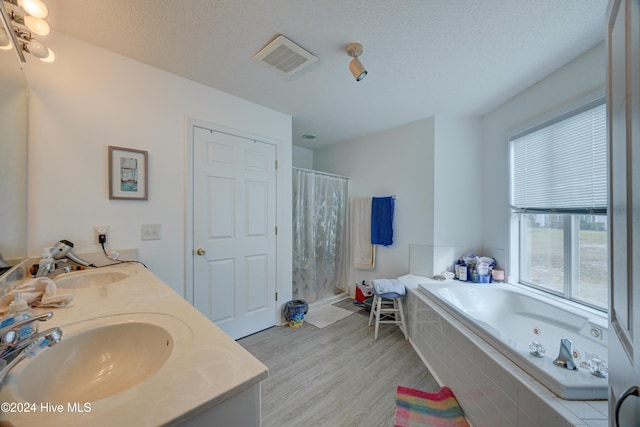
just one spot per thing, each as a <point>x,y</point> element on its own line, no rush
<point>13,157</point>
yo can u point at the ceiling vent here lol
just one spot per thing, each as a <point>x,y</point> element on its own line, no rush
<point>285,56</point>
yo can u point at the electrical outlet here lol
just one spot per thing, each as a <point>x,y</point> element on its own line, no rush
<point>98,230</point>
<point>150,232</point>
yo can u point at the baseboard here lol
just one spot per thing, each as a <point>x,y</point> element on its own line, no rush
<point>331,300</point>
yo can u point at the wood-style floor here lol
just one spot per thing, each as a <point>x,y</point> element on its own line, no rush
<point>335,376</point>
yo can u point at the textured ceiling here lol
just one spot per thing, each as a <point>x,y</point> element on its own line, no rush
<point>424,57</point>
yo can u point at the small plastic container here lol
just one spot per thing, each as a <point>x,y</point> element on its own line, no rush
<point>484,278</point>
<point>480,278</point>
<point>363,291</point>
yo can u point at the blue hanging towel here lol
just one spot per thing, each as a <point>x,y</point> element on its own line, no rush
<point>382,221</point>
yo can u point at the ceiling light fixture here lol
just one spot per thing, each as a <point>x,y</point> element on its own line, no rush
<point>23,19</point>
<point>354,50</point>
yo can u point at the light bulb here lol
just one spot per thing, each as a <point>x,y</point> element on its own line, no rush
<point>38,50</point>
<point>49,58</point>
<point>5,41</point>
<point>35,8</point>
<point>37,25</point>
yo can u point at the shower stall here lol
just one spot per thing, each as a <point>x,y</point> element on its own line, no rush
<point>319,235</point>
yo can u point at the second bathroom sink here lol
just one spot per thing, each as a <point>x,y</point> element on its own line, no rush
<point>90,278</point>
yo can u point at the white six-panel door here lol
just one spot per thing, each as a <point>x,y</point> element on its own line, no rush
<point>234,231</point>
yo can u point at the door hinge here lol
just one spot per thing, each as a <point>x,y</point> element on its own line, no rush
<point>276,165</point>
<point>276,230</point>
<point>276,296</point>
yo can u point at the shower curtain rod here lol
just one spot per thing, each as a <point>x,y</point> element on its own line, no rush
<point>321,173</point>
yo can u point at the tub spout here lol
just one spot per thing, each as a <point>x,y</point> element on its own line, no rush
<point>565,358</point>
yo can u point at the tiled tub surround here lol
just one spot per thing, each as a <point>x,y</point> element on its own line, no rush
<point>492,390</point>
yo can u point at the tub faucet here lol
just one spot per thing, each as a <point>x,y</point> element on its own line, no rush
<point>565,358</point>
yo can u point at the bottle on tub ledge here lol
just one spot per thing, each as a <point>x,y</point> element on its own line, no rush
<point>476,269</point>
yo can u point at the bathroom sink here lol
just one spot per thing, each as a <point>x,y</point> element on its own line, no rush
<point>90,278</point>
<point>99,359</point>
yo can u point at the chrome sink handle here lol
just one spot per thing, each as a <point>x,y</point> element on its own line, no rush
<point>53,334</point>
<point>48,338</point>
<point>537,349</point>
<point>9,334</point>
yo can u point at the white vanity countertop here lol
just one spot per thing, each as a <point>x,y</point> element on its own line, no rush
<point>205,368</point>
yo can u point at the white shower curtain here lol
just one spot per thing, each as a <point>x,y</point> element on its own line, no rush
<point>319,235</point>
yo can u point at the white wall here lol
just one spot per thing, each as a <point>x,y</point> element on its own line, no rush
<point>302,158</point>
<point>13,161</point>
<point>395,162</point>
<point>458,191</point>
<point>90,98</point>
<point>422,163</point>
<point>581,79</point>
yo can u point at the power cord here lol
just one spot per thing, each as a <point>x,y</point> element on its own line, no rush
<point>102,240</point>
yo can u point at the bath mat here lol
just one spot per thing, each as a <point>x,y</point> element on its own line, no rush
<point>326,315</point>
<point>422,408</point>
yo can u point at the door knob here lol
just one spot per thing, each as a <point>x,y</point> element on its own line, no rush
<point>631,391</point>
<point>201,251</point>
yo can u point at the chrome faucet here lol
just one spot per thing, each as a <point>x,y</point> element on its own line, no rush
<point>565,358</point>
<point>28,347</point>
<point>52,268</point>
<point>9,334</point>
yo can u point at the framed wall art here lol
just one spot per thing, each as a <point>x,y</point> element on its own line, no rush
<point>128,174</point>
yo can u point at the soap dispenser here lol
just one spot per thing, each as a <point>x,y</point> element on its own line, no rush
<point>45,260</point>
<point>20,310</point>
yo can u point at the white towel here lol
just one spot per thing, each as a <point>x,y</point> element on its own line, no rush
<point>39,292</point>
<point>385,286</point>
<point>364,253</point>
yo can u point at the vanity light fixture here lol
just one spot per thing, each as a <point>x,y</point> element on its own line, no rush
<point>35,8</point>
<point>26,18</point>
<point>354,50</point>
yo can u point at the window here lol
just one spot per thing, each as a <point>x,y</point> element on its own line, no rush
<point>559,203</point>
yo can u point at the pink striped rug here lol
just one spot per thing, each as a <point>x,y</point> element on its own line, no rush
<point>422,408</point>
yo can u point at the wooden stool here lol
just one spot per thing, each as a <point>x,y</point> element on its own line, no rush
<point>387,308</point>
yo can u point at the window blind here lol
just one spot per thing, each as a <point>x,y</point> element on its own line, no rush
<point>561,166</point>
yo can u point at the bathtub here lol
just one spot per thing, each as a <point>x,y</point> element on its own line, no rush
<point>510,318</point>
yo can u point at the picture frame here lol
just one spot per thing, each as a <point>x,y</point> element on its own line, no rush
<point>128,173</point>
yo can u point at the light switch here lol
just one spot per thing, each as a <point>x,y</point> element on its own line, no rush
<point>150,232</point>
